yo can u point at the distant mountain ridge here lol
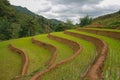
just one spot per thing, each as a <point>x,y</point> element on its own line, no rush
<point>23,10</point>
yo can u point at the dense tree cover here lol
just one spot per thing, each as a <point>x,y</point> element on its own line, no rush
<point>18,22</point>
<point>85,21</point>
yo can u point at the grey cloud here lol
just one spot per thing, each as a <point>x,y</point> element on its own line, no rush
<point>92,10</point>
<point>80,2</point>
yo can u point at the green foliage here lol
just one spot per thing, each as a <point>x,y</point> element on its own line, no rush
<point>19,22</point>
<point>8,30</point>
<point>28,28</point>
<point>85,21</point>
<point>75,68</point>
<point>114,25</point>
<point>107,21</point>
<point>16,21</point>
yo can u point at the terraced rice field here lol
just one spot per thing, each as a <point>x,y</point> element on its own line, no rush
<point>112,64</point>
<point>67,64</point>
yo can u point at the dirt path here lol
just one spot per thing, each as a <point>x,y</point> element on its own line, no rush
<point>25,60</point>
<point>95,70</point>
<point>76,47</point>
<point>49,47</point>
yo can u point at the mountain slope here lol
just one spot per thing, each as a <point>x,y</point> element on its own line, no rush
<point>16,21</point>
<point>23,10</point>
<point>107,21</point>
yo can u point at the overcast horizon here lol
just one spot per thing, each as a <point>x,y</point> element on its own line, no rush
<point>69,9</point>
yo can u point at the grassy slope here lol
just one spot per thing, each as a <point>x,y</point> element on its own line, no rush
<point>107,21</point>
<point>114,30</point>
<point>10,63</point>
<point>65,51</point>
<point>112,64</point>
<point>74,69</point>
<point>38,56</point>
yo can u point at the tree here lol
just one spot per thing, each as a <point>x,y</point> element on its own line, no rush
<point>60,27</point>
<point>28,28</point>
<point>69,24</point>
<point>119,11</point>
<point>85,21</point>
<point>8,30</point>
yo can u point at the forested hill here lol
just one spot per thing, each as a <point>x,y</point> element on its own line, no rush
<point>16,21</point>
<point>23,10</point>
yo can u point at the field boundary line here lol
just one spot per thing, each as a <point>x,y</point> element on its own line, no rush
<point>55,65</point>
<point>25,60</point>
<point>112,34</point>
<point>95,70</point>
<point>51,48</point>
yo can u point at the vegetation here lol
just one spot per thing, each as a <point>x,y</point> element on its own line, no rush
<point>11,62</point>
<point>39,56</point>
<point>111,66</point>
<point>74,69</point>
<point>16,22</point>
<point>85,21</point>
<point>63,48</point>
<point>111,21</point>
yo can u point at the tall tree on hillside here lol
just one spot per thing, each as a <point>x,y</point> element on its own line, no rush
<point>28,28</point>
<point>8,30</point>
<point>69,24</point>
<point>85,21</point>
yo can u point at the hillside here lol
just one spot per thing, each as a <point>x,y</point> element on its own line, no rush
<point>23,10</point>
<point>69,55</point>
<point>33,47</point>
<point>107,21</point>
<point>16,21</point>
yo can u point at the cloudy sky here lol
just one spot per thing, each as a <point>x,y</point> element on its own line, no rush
<point>69,9</point>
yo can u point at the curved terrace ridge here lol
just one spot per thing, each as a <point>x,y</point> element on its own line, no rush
<point>96,68</point>
<point>51,48</point>
<point>25,59</point>
<point>112,34</point>
<point>75,46</point>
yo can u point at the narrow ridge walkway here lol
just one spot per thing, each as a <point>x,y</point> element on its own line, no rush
<point>111,69</point>
<point>62,48</point>
<point>71,44</point>
<point>10,62</point>
<point>74,69</point>
<point>37,55</point>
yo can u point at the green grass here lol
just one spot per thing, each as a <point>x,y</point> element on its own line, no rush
<point>74,69</point>
<point>64,52</point>
<point>10,63</point>
<point>112,64</point>
<point>112,30</point>
<point>37,56</point>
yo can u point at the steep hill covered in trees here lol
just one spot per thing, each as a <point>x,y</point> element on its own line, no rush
<point>16,21</point>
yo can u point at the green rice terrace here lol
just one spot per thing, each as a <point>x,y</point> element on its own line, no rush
<point>78,54</point>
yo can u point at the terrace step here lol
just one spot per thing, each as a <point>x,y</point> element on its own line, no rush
<point>111,64</point>
<point>75,46</point>
<point>49,47</point>
<point>113,34</point>
<point>59,73</point>
<point>95,71</point>
<point>25,60</point>
<point>36,55</point>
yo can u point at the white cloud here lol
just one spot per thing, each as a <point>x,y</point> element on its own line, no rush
<point>69,9</point>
